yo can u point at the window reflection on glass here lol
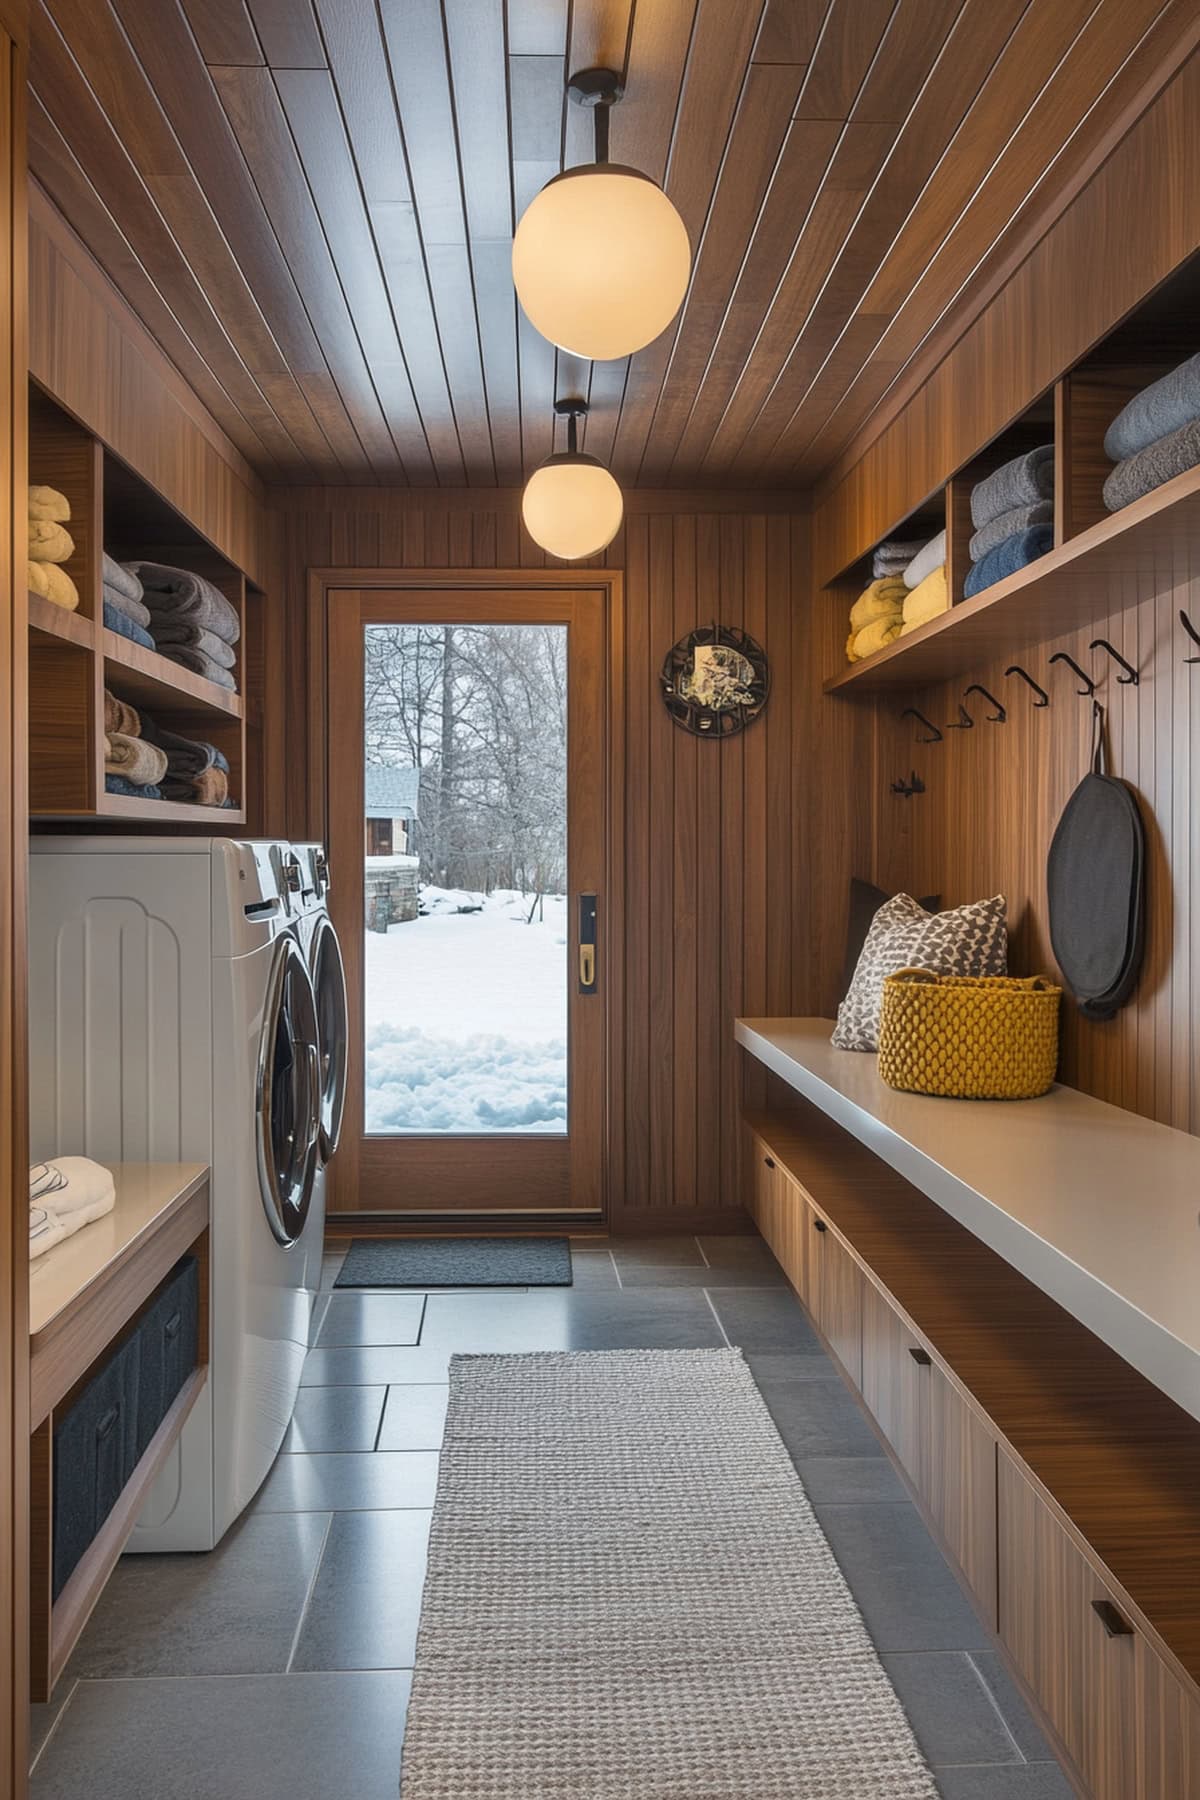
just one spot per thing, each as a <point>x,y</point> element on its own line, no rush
<point>465,745</point>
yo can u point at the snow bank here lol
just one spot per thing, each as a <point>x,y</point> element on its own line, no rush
<point>466,1026</point>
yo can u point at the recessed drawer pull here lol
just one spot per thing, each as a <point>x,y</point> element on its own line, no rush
<point>1115,1625</point>
<point>104,1425</point>
<point>171,1328</point>
<point>820,1225</point>
<point>770,1161</point>
<point>920,1356</point>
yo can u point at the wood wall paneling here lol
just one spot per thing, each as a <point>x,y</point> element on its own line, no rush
<point>718,904</point>
<point>14,1157</point>
<point>312,206</point>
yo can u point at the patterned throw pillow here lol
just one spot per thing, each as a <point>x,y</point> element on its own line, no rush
<point>967,940</point>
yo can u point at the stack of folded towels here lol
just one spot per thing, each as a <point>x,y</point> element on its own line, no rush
<point>192,624</point>
<point>50,545</point>
<point>1012,511</point>
<point>196,771</point>
<point>876,617</point>
<point>65,1195</point>
<point>124,611</point>
<point>894,556</point>
<point>926,593</point>
<point>132,765</point>
<point>1155,437</point>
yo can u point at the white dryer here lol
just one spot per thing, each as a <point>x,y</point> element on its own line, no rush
<point>172,1019</point>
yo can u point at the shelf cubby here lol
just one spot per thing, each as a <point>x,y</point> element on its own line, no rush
<point>74,656</point>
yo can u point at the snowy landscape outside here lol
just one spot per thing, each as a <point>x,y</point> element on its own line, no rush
<point>466,1002</point>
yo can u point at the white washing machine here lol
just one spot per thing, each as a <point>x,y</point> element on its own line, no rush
<point>172,1019</point>
<point>308,891</point>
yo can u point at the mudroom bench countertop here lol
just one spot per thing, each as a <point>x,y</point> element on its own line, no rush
<point>1099,1207</point>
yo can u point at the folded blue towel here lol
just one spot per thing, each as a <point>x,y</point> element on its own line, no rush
<point>117,784</point>
<point>1022,482</point>
<point>1040,513</point>
<point>1014,553</point>
<point>126,627</point>
<point>1154,413</point>
<point>1160,461</point>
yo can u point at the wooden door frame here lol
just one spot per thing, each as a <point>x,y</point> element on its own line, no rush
<point>610,583</point>
<point>14,834</point>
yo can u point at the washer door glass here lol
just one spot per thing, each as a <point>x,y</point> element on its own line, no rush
<point>329,985</point>
<point>288,1105</point>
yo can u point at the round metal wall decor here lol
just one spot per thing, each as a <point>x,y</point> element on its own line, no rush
<point>715,681</point>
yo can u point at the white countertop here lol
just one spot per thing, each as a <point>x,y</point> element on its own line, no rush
<point>1098,1207</point>
<point>147,1193</point>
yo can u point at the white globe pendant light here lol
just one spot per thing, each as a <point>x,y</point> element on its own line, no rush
<point>601,258</point>
<point>572,506</point>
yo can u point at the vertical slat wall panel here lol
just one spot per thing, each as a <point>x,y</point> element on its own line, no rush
<point>715,905</point>
<point>994,795</point>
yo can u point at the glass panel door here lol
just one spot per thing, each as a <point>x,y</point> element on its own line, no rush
<point>466,927</point>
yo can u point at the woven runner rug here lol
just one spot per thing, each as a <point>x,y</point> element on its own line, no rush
<point>629,1598</point>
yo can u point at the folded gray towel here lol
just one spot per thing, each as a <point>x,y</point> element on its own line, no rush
<point>1158,462</point>
<point>120,579</point>
<point>894,556</point>
<point>1157,411</point>
<point>195,660</point>
<point>182,595</point>
<point>122,603</point>
<point>170,633</point>
<point>1019,519</point>
<point>1022,482</point>
<point>187,758</point>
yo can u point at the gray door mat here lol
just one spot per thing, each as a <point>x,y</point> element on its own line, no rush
<point>456,1262</point>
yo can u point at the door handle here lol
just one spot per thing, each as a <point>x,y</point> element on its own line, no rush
<point>1114,1623</point>
<point>921,1357</point>
<point>587,944</point>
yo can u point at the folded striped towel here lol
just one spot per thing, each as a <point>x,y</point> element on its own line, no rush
<point>69,1183</point>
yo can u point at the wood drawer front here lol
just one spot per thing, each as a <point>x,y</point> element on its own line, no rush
<point>959,1485</point>
<point>835,1294</point>
<point>1085,1680</point>
<point>892,1381</point>
<point>1168,1732</point>
<point>779,1211</point>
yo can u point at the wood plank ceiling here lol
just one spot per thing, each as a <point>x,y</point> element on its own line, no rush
<point>310,203</point>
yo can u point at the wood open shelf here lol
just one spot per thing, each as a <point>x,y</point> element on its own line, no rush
<point>74,656</point>
<point>83,1296</point>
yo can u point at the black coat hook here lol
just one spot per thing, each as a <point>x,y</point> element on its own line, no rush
<point>1130,678</point>
<point>914,785</point>
<point>1192,633</point>
<point>964,721</point>
<point>1089,686</point>
<point>934,737</point>
<point>1000,714</point>
<point>1043,698</point>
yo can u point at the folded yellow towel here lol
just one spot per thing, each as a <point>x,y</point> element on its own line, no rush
<point>53,583</point>
<point>883,598</point>
<point>48,503</point>
<point>875,636</point>
<point>929,598</point>
<point>49,542</point>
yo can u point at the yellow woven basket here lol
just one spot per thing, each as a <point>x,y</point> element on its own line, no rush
<point>969,1037</point>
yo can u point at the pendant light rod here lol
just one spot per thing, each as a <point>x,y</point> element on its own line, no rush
<point>600,89</point>
<point>571,410</point>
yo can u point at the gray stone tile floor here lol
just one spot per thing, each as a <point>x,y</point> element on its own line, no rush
<point>277,1668</point>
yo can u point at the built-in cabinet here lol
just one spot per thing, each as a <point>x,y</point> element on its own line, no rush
<point>1125,1715</point>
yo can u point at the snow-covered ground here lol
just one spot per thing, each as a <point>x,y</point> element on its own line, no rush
<point>466,1016</point>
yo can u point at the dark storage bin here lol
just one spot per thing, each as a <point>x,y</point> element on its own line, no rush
<point>167,1331</point>
<point>95,1453</point>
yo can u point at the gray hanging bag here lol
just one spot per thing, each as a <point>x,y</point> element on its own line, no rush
<point>1095,881</point>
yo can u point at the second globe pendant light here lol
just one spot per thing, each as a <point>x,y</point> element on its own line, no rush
<point>601,258</point>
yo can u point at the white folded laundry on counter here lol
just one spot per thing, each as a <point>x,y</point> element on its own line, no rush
<point>64,1196</point>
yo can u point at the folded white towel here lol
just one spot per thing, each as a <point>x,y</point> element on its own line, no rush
<point>931,556</point>
<point>70,1184</point>
<point>52,1227</point>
